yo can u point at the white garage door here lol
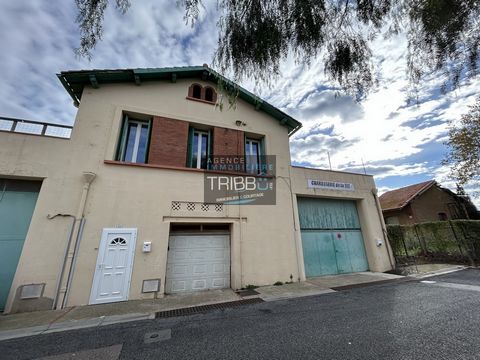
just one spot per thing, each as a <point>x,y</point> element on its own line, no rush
<point>198,262</point>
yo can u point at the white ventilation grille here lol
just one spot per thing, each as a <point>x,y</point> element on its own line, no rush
<point>32,291</point>
<point>151,285</point>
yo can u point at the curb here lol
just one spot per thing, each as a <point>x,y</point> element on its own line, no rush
<point>73,325</point>
<point>118,319</point>
<point>440,272</point>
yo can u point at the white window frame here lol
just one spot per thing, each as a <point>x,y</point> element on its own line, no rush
<point>136,142</point>
<point>200,134</point>
<point>249,143</point>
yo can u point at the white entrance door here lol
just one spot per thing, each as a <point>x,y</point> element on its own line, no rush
<point>114,266</point>
<point>198,262</point>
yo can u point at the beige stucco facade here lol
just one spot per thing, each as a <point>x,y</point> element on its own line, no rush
<point>265,240</point>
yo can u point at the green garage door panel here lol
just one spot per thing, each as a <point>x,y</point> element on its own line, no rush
<point>328,252</point>
<point>16,209</point>
<point>331,237</point>
<point>356,249</point>
<point>327,214</point>
<point>318,253</point>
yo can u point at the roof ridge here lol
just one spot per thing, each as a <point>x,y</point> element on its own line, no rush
<point>75,80</point>
<point>427,185</point>
<point>397,199</point>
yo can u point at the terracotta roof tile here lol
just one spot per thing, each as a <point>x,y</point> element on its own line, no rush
<point>397,199</point>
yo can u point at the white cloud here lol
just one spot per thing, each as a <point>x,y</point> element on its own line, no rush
<point>392,139</point>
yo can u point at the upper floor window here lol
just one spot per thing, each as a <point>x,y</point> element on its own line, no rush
<point>205,93</point>
<point>208,94</point>
<point>254,155</point>
<point>199,148</point>
<point>197,91</point>
<point>134,141</point>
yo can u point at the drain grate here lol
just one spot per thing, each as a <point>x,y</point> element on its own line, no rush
<point>206,308</point>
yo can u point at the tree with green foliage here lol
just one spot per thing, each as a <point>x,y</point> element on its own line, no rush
<point>256,35</point>
<point>464,147</point>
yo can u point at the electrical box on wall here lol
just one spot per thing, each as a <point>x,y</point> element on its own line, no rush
<point>147,246</point>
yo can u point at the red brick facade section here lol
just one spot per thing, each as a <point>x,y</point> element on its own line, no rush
<point>228,142</point>
<point>168,142</point>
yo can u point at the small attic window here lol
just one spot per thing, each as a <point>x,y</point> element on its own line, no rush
<point>209,94</point>
<point>197,91</point>
<point>206,94</point>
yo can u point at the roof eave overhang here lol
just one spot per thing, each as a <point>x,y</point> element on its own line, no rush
<point>75,81</point>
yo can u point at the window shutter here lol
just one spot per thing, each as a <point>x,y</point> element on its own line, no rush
<point>123,139</point>
<point>262,158</point>
<point>147,145</point>
<point>262,146</point>
<point>209,148</point>
<point>189,147</point>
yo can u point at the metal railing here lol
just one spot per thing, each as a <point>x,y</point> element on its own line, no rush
<point>35,128</point>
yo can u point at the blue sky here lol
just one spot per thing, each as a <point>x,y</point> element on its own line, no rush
<point>399,144</point>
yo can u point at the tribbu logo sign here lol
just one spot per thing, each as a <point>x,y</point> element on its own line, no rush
<point>241,185</point>
<point>238,183</point>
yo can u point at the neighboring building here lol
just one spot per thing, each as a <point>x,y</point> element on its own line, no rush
<point>116,211</point>
<point>424,202</point>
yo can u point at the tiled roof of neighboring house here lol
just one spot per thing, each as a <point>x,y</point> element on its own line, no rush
<point>74,81</point>
<point>399,198</point>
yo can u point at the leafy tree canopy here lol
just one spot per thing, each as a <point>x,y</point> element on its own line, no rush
<point>464,146</point>
<point>256,35</point>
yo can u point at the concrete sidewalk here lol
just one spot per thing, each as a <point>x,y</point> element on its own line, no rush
<point>425,270</point>
<point>43,322</point>
<point>77,317</point>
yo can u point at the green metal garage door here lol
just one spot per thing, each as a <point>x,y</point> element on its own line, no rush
<point>331,237</point>
<point>17,201</point>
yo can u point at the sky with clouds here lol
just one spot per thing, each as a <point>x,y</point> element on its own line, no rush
<point>399,144</point>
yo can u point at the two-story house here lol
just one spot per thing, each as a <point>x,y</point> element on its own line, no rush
<point>116,210</point>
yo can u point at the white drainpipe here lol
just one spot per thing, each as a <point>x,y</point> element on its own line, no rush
<point>74,246</point>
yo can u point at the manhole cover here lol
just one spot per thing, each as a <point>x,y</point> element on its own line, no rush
<point>248,292</point>
<point>156,336</point>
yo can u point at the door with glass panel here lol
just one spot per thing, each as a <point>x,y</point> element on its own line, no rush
<point>113,272</point>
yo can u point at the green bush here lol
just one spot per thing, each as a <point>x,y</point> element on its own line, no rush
<point>446,240</point>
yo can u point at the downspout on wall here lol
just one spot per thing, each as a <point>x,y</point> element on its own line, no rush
<point>64,261</point>
<point>69,262</point>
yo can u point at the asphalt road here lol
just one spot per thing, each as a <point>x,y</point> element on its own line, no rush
<point>400,320</point>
